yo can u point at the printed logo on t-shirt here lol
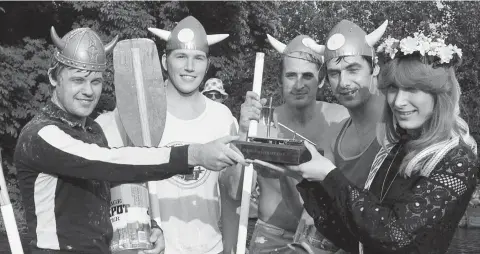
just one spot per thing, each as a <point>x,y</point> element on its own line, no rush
<point>196,178</point>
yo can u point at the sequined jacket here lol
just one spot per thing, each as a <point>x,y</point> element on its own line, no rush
<point>417,215</point>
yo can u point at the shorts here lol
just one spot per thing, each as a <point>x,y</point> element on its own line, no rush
<point>267,238</point>
<point>317,242</point>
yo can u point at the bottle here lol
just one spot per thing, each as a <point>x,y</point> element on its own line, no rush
<point>129,214</point>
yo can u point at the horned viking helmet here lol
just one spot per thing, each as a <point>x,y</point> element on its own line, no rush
<point>188,34</point>
<point>301,43</point>
<point>348,39</point>
<point>82,48</point>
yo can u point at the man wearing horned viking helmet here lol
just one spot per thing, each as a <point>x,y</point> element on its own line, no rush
<point>64,165</point>
<point>280,205</point>
<point>352,74</point>
<point>189,204</point>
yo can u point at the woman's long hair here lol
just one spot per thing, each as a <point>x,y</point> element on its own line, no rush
<point>438,134</point>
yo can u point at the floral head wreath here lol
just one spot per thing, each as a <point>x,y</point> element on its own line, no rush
<point>431,50</point>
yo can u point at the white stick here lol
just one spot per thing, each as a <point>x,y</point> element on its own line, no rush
<point>248,175</point>
<point>8,217</point>
<point>142,107</point>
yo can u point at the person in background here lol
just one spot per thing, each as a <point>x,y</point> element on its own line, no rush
<point>214,90</point>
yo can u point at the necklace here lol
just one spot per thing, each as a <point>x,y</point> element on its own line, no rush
<point>383,195</point>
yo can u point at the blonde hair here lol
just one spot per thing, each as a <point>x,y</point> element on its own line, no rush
<point>445,127</point>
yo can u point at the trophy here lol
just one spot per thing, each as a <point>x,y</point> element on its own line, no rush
<point>273,149</point>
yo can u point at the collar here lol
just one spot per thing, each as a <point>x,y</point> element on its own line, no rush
<point>54,111</point>
<point>405,136</point>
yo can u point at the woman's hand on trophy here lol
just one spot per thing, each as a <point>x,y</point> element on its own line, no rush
<point>158,241</point>
<point>251,109</point>
<point>316,169</point>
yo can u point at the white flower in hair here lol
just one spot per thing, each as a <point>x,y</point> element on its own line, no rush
<point>424,47</point>
<point>430,48</point>
<point>445,53</point>
<point>389,46</point>
<point>424,44</point>
<point>457,50</point>
<point>392,52</point>
<point>409,45</point>
<point>433,47</point>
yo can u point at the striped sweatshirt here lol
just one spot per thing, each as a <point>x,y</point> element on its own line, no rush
<point>64,172</point>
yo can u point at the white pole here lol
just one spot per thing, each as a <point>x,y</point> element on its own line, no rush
<point>248,174</point>
<point>8,217</point>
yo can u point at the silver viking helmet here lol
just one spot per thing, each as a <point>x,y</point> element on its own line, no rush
<point>348,39</point>
<point>301,43</point>
<point>188,34</point>
<point>82,48</point>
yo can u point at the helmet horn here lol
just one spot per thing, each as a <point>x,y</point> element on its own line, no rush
<point>375,36</point>
<point>56,39</point>
<point>214,38</point>
<point>320,49</point>
<point>279,46</point>
<point>111,44</point>
<point>163,34</point>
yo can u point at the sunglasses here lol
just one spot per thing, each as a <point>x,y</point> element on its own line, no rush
<point>214,95</point>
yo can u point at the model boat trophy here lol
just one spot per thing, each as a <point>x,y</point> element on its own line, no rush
<point>272,149</point>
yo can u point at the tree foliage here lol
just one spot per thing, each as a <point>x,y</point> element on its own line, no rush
<point>26,50</point>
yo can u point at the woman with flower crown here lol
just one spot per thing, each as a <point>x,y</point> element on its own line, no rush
<point>421,180</point>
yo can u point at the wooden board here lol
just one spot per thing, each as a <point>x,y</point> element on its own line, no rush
<point>154,96</point>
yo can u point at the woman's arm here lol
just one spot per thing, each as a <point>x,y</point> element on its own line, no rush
<point>327,219</point>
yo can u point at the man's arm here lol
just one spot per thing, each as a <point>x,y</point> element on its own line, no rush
<point>51,150</point>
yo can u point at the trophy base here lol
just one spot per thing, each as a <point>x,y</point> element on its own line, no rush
<point>279,151</point>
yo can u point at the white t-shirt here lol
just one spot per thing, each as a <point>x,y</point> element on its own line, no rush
<point>110,128</point>
<point>189,204</point>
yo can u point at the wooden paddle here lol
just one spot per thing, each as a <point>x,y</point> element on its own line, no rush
<point>141,98</point>
<point>248,174</point>
<point>8,217</point>
<point>140,90</point>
